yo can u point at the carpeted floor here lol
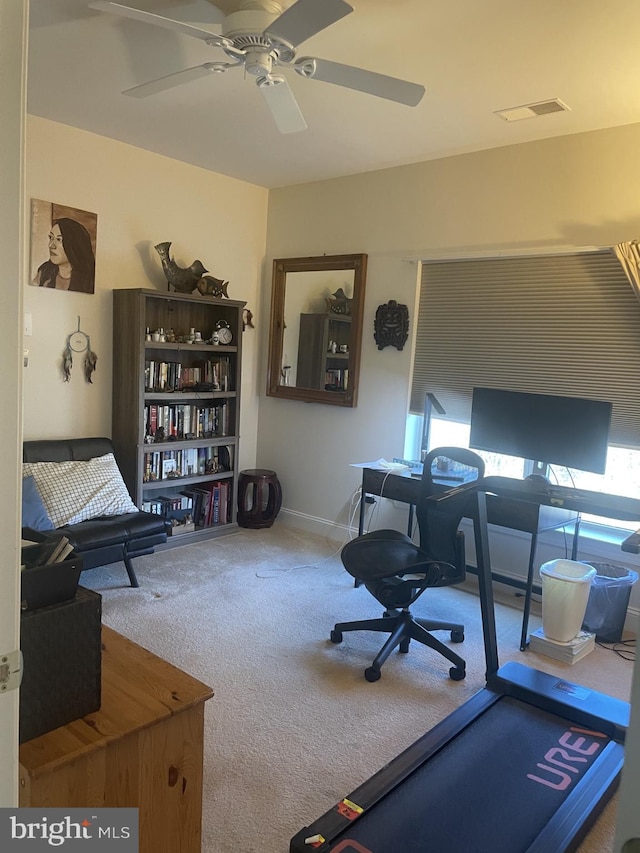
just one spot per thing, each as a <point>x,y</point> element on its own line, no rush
<point>293,725</point>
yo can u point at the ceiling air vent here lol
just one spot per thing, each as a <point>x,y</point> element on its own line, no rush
<point>541,108</point>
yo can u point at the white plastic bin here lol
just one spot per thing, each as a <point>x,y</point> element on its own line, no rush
<point>565,592</point>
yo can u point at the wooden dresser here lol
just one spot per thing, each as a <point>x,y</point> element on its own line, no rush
<point>143,748</point>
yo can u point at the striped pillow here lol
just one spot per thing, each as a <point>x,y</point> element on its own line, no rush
<point>78,490</point>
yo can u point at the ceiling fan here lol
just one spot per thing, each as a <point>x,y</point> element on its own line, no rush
<point>260,37</point>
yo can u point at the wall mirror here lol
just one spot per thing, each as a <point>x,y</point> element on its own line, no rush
<point>315,333</point>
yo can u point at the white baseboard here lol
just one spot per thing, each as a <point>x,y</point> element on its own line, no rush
<point>319,526</point>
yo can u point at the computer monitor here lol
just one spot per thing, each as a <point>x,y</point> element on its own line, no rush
<point>548,429</point>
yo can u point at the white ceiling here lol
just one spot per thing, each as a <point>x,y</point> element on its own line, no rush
<point>473,56</point>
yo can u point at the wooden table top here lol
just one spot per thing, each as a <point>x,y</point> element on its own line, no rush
<point>139,689</point>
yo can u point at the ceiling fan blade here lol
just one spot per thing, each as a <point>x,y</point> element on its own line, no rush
<point>306,18</point>
<point>282,104</point>
<point>370,82</point>
<point>150,18</point>
<point>161,84</point>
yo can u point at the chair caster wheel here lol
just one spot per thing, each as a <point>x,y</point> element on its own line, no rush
<point>372,674</point>
<point>457,674</point>
<point>404,647</point>
<point>457,636</point>
<point>336,636</point>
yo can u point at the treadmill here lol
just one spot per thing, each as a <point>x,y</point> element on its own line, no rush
<point>524,766</point>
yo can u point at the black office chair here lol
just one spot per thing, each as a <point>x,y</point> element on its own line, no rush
<point>396,571</point>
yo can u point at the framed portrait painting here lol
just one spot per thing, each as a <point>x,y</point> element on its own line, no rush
<point>63,247</point>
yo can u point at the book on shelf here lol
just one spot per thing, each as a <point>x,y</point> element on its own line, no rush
<point>201,498</point>
<point>569,652</point>
<point>210,503</point>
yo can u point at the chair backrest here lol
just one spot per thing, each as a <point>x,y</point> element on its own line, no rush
<point>447,469</point>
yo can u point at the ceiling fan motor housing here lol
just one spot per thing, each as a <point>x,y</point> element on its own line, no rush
<point>246,30</point>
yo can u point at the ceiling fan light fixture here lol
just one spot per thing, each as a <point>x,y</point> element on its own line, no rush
<point>258,62</point>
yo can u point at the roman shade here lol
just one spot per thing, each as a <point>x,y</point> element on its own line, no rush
<point>554,324</point>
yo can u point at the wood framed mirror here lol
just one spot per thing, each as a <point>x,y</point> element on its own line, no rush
<point>315,333</point>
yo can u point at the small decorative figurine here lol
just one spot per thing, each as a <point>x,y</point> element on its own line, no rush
<point>391,325</point>
<point>340,304</point>
<point>247,319</point>
<point>210,286</point>
<point>182,279</point>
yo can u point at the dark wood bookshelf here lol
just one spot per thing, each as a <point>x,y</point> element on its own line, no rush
<point>134,311</point>
<point>317,364</point>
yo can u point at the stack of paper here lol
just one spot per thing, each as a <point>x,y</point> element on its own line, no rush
<point>583,643</point>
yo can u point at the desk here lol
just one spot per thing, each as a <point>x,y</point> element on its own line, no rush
<point>512,513</point>
<point>143,749</point>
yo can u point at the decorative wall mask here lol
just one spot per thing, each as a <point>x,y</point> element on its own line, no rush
<point>391,325</point>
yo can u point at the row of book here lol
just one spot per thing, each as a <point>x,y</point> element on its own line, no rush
<point>210,503</point>
<point>186,462</point>
<point>169,505</point>
<point>215,374</point>
<point>186,420</point>
<point>336,379</point>
<point>206,505</point>
<point>569,652</point>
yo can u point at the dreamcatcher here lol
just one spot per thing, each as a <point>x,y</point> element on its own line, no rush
<point>78,341</point>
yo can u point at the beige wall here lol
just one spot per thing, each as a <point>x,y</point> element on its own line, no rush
<point>574,191</point>
<point>569,192</point>
<point>140,199</point>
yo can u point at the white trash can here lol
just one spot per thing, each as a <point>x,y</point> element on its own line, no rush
<point>565,593</point>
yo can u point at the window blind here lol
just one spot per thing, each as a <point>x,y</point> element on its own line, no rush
<point>552,324</point>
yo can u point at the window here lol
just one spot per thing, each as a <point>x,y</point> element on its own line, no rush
<point>622,475</point>
<point>549,324</point>
<point>554,324</point>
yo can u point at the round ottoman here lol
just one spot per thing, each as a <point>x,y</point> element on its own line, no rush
<point>259,498</point>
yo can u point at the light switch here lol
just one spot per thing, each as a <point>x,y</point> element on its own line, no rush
<point>28,325</point>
